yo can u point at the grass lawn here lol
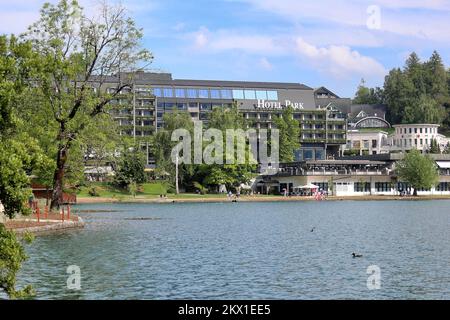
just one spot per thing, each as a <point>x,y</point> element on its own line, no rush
<point>149,191</point>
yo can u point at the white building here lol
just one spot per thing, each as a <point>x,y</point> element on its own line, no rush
<point>366,142</point>
<point>415,136</point>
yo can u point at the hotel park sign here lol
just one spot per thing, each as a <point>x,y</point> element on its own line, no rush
<point>264,104</point>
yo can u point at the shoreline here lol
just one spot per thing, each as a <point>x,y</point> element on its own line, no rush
<point>100,200</point>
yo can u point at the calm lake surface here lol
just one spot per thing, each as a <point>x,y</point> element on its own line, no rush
<point>249,251</point>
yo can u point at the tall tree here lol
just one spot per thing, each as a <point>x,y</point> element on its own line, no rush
<point>418,170</point>
<point>289,133</point>
<point>80,55</point>
<point>366,95</point>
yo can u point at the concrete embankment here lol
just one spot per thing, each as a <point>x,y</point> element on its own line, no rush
<point>47,226</point>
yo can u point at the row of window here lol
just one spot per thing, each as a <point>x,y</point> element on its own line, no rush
<point>415,130</point>
<point>209,93</point>
<point>409,142</point>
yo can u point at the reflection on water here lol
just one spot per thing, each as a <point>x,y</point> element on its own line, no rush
<point>248,251</point>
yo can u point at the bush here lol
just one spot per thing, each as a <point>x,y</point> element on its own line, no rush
<point>93,191</point>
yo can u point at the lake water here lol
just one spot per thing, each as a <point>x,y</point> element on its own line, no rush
<point>249,251</point>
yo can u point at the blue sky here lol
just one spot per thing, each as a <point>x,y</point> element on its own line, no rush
<point>333,43</point>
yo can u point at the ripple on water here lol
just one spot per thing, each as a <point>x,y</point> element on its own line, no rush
<point>248,251</point>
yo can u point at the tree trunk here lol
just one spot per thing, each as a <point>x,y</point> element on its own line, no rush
<point>415,192</point>
<point>58,183</point>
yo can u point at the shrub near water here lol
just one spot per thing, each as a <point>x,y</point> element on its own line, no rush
<point>12,255</point>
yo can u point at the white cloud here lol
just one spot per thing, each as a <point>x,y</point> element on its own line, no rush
<point>336,60</point>
<point>420,19</point>
<point>340,61</point>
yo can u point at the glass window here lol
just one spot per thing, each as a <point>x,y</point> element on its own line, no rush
<point>205,106</point>
<point>215,94</point>
<point>320,155</point>
<point>308,154</point>
<point>415,130</point>
<point>238,94</point>
<point>181,106</point>
<point>180,93</point>
<point>168,92</point>
<point>250,94</point>
<point>157,92</point>
<point>226,94</point>
<point>203,93</point>
<point>192,93</point>
<point>260,94</point>
<point>169,106</point>
<point>193,105</point>
<point>420,130</point>
<point>272,95</point>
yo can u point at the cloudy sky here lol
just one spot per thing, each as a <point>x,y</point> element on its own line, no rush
<point>333,43</point>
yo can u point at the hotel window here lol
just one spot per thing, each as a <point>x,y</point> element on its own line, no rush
<point>205,106</point>
<point>226,94</point>
<point>193,105</point>
<point>362,186</point>
<point>264,115</point>
<point>147,123</point>
<point>168,106</point>
<point>203,116</point>
<point>426,130</point>
<point>320,155</point>
<point>192,93</point>
<point>443,186</point>
<point>250,94</point>
<point>421,141</point>
<point>203,93</point>
<point>180,93</point>
<point>181,106</point>
<point>157,92</point>
<point>168,92</point>
<point>322,185</point>
<point>272,95</point>
<point>410,130</point>
<point>238,94</point>
<point>215,94</point>
<point>415,130</point>
<point>420,130</point>
<point>415,142</point>
<point>260,94</point>
<point>308,154</point>
<point>383,186</point>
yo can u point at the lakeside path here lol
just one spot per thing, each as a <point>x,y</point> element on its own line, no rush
<point>198,199</point>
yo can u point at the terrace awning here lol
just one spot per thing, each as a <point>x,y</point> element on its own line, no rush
<point>443,164</point>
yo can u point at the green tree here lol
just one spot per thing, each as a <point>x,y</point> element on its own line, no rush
<point>434,147</point>
<point>130,168</point>
<point>163,145</point>
<point>418,170</point>
<point>79,55</point>
<point>12,255</point>
<point>366,95</point>
<point>289,133</point>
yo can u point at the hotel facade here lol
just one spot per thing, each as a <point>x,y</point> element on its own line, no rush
<point>139,112</point>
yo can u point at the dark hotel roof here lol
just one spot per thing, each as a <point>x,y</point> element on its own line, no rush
<point>145,78</point>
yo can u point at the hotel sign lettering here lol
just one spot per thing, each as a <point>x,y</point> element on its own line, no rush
<point>264,104</point>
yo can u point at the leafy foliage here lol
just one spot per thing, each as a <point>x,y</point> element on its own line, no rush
<point>289,131</point>
<point>12,255</point>
<point>418,170</point>
<point>130,168</point>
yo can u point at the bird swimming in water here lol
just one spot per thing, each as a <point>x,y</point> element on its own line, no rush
<point>312,230</point>
<point>354,255</point>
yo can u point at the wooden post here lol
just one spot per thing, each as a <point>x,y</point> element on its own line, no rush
<point>46,212</point>
<point>62,214</point>
<point>38,214</point>
<point>68,212</point>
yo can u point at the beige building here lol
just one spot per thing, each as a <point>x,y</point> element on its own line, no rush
<point>366,142</point>
<point>415,136</point>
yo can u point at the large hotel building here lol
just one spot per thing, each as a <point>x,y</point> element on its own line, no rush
<point>322,127</point>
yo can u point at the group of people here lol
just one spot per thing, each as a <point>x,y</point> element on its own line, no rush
<point>232,196</point>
